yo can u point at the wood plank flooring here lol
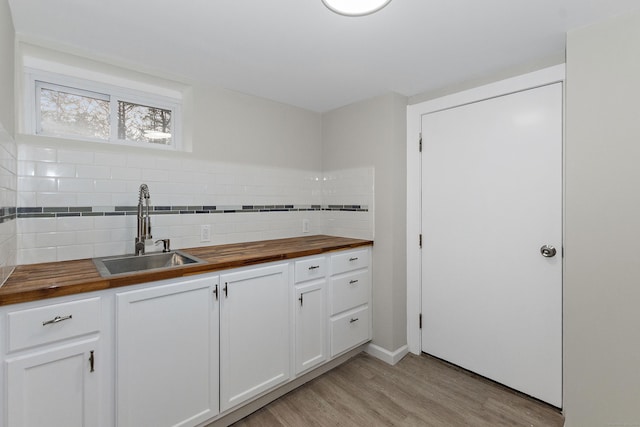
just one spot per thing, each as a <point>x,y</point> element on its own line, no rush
<point>418,391</point>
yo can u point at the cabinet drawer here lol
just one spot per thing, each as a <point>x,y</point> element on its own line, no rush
<point>42,325</point>
<point>308,269</point>
<point>349,330</point>
<point>352,260</point>
<point>349,290</point>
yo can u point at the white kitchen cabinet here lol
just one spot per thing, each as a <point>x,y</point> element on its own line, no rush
<point>180,352</point>
<point>310,321</point>
<point>53,364</point>
<point>310,325</point>
<point>254,332</point>
<point>350,300</point>
<point>167,354</point>
<point>54,388</point>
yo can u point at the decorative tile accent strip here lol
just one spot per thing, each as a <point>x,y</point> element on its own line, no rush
<point>75,211</point>
<point>7,214</point>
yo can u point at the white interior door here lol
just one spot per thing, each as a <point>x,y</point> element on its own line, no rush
<point>491,198</point>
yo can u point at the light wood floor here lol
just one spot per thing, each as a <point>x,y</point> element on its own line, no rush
<point>418,391</point>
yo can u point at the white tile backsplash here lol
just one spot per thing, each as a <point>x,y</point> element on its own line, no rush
<point>66,253</point>
<point>37,153</point>
<point>50,199</point>
<point>93,199</point>
<point>54,170</point>
<point>27,198</point>
<point>37,184</point>
<point>36,255</point>
<point>120,172</point>
<point>93,171</point>
<point>75,223</point>
<point>74,185</point>
<point>79,157</point>
<point>50,177</point>
<point>109,159</point>
<point>56,238</point>
<point>110,186</point>
<point>26,168</point>
<point>8,200</point>
<point>111,248</point>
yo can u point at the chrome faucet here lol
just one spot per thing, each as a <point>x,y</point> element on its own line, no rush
<point>144,220</point>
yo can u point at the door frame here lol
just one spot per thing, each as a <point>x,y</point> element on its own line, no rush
<point>415,112</point>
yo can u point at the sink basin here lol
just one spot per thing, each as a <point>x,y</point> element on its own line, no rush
<point>111,266</point>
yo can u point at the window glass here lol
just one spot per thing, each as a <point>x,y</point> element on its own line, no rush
<point>65,111</point>
<point>144,123</point>
<point>73,108</point>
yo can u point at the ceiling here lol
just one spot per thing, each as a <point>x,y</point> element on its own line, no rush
<point>300,53</point>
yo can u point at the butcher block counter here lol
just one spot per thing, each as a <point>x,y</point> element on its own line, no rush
<point>55,279</point>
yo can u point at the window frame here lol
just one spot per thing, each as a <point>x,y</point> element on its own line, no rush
<point>36,79</point>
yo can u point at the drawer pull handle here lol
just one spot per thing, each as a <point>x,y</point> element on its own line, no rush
<point>313,267</point>
<point>56,320</point>
<point>355,258</point>
<point>92,361</point>
<point>353,320</point>
<point>351,282</point>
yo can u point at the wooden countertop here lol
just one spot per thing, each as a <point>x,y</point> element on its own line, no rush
<point>54,279</point>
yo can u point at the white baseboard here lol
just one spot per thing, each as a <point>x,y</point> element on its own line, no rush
<point>390,357</point>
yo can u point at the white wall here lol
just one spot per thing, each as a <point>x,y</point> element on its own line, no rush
<point>232,127</point>
<point>7,146</point>
<point>372,134</point>
<point>602,259</point>
<point>7,40</point>
<point>242,151</point>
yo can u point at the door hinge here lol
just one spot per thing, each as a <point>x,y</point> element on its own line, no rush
<point>420,240</point>
<point>420,143</point>
<point>420,320</point>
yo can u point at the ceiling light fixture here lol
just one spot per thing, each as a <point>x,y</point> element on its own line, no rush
<point>355,7</point>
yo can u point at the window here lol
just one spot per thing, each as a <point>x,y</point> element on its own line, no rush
<point>65,111</point>
<point>77,109</point>
<point>144,123</point>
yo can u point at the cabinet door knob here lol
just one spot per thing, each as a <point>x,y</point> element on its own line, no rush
<point>92,360</point>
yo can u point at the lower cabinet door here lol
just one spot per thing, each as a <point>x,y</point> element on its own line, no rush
<point>55,388</point>
<point>310,325</point>
<point>254,333</point>
<point>167,354</point>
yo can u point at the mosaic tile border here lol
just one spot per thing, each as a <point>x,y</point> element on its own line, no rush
<point>7,214</point>
<point>78,211</point>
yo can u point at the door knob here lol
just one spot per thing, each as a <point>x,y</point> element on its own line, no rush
<point>548,251</point>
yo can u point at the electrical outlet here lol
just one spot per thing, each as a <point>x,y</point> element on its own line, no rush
<point>305,225</point>
<point>205,233</point>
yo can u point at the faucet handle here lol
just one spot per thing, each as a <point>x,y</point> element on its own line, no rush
<point>166,244</point>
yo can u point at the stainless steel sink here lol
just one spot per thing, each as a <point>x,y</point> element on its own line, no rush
<point>111,266</point>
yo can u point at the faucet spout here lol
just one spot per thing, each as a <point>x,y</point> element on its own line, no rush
<point>144,220</point>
